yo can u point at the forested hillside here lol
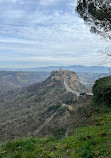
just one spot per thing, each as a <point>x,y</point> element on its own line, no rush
<point>85,124</point>
<point>40,109</point>
<point>10,80</point>
<point>92,140</point>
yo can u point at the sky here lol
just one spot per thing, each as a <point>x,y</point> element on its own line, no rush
<point>38,33</point>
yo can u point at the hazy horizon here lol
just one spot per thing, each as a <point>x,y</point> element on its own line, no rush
<point>52,66</point>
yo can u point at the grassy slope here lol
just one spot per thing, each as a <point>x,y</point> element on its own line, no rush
<point>88,141</point>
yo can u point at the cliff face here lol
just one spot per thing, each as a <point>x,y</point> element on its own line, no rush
<point>60,75</point>
<point>70,79</point>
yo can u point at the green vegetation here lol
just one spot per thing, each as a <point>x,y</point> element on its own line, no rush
<point>10,80</point>
<point>70,99</point>
<point>54,107</point>
<point>59,132</point>
<point>102,91</point>
<point>97,14</point>
<point>89,126</point>
<point>88,141</point>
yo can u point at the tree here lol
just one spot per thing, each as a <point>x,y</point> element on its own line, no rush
<point>102,91</point>
<point>97,14</point>
<point>105,56</point>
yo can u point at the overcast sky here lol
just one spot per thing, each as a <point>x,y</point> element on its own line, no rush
<point>35,33</point>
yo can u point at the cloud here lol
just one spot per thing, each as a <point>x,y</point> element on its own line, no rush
<point>44,32</point>
<point>11,1</point>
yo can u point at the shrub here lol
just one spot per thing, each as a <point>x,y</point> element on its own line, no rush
<point>54,107</point>
<point>69,99</point>
<point>59,132</point>
<point>102,91</point>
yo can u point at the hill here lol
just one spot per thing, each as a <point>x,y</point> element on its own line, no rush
<point>40,109</point>
<point>10,80</point>
<point>87,141</point>
<point>90,137</point>
<point>88,79</point>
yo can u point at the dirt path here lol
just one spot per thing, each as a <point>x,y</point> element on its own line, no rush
<point>53,115</point>
<point>47,121</point>
<point>72,91</point>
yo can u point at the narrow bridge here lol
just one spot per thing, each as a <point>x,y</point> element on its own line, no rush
<point>72,91</point>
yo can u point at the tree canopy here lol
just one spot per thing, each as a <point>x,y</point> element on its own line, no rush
<point>96,13</point>
<point>102,91</point>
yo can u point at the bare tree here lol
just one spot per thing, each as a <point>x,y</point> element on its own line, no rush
<point>105,55</point>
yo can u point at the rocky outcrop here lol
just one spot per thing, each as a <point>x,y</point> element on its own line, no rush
<point>70,80</point>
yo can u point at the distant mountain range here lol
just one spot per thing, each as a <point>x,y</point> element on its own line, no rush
<point>76,68</point>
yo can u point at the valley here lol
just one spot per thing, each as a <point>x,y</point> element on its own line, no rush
<point>40,108</point>
<point>10,80</point>
<point>54,118</point>
<point>55,79</point>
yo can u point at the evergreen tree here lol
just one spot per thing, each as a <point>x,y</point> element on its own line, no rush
<point>96,13</point>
